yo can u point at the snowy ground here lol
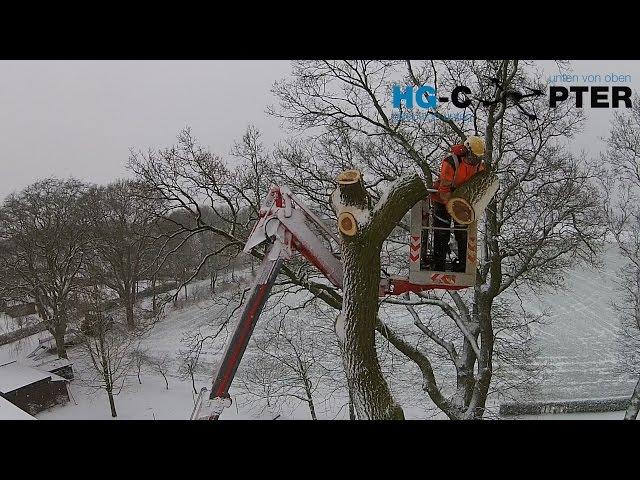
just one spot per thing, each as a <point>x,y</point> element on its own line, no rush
<point>151,399</point>
<point>578,347</point>
<point>579,343</point>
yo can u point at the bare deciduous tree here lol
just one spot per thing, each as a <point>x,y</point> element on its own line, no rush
<point>109,347</point>
<point>543,220</point>
<point>298,345</point>
<point>200,196</point>
<point>260,384</point>
<point>188,367</point>
<point>44,238</point>
<point>161,364</point>
<point>120,225</point>
<point>140,358</point>
<point>621,189</point>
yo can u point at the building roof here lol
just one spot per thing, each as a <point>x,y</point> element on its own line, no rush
<point>42,360</point>
<point>52,364</point>
<point>20,349</point>
<point>14,375</point>
<point>8,411</point>
<point>57,378</point>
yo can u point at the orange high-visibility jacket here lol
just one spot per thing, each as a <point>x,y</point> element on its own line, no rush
<point>452,177</point>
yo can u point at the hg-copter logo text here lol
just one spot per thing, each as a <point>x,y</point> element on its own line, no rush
<point>594,96</point>
<point>425,97</point>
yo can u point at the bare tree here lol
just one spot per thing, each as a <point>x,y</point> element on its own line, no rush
<point>543,220</point>
<point>200,196</point>
<point>120,224</point>
<point>44,238</point>
<point>621,189</point>
<point>259,382</point>
<point>161,364</point>
<point>140,358</point>
<point>188,367</point>
<point>108,345</point>
<point>299,346</point>
<point>211,197</point>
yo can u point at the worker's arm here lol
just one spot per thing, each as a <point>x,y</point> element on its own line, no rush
<point>446,181</point>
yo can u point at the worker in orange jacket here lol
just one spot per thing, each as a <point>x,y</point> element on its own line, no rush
<point>457,168</point>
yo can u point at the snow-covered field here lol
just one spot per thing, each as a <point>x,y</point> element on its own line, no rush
<point>151,399</point>
<point>579,344</point>
<point>578,348</point>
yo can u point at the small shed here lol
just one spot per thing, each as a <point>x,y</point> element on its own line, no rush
<point>30,389</point>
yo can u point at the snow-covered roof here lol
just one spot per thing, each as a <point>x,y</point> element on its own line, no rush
<point>19,349</point>
<point>52,364</point>
<point>42,360</point>
<point>57,378</point>
<point>14,375</point>
<point>8,411</point>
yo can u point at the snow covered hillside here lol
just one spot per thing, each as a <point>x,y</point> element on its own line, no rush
<point>579,343</point>
<point>578,346</point>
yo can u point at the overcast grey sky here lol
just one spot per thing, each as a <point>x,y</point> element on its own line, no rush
<point>80,118</point>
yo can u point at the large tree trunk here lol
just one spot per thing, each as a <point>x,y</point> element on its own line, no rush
<point>131,324</point>
<point>356,331</point>
<point>112,403</point>
<point>356,323</point>
<point>363,230</point>
<point>634,405</point>
<point>478,401</point>
<point>58,332</point>
<point>465,380</point>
